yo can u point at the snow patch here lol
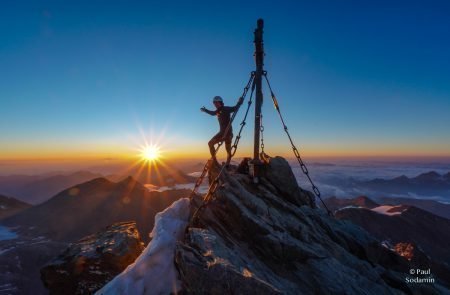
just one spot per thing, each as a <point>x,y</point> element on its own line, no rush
<point>7,287</point>
<point>154,271</point>
<point>388,210</point>
<point>151,187</point>
<point>154,188</point>
<point>195,174</point>
<point>6,250</point>
<point>349,207</point>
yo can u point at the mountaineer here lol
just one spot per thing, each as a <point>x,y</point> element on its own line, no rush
<point>223,115</point>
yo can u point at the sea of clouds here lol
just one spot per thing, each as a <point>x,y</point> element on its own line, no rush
<point>337,178</point>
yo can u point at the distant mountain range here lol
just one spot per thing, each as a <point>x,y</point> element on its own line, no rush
<point>159,175</point>
<point>10,206</point>
<point>404,223</point>
<point>88,207</point>
<point>429,184</point>
<point>39,188</point>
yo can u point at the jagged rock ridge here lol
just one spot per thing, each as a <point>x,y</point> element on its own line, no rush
<point>270,239</point>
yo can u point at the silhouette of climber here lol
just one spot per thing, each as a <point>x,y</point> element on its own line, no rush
<point>223,115</point>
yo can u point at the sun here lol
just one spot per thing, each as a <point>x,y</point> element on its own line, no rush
<point>150,153</point>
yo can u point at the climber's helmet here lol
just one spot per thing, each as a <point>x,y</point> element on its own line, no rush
<point>218,101</point>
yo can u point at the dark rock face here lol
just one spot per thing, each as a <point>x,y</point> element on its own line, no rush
<point>270,239</point>
<point>280,175</point>
<point>20,262</point>
<point>90,263</point>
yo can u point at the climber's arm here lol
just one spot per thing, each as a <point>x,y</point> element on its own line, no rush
<point>212,113</point>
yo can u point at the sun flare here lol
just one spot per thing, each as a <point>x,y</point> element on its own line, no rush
<point>150,153</point>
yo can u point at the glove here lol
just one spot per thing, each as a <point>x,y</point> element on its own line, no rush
<point>203,109</point>
<point>241,100</point>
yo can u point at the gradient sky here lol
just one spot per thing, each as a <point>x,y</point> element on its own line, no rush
<point>96,78</point>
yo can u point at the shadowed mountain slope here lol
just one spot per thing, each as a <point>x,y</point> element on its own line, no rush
<point>88,207</point>
<point>10,206</point>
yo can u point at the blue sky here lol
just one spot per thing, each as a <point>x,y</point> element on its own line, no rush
<point>352,77</point>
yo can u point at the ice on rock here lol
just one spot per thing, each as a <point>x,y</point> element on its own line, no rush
<point>154,271</point>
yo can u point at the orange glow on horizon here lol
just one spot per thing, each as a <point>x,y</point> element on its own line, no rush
<point>200,151</point>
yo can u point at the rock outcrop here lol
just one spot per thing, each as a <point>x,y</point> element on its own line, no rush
<point>269,238</point>
<point>90,263</point>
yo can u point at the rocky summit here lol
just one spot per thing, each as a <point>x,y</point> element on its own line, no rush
<point>269,238</point>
